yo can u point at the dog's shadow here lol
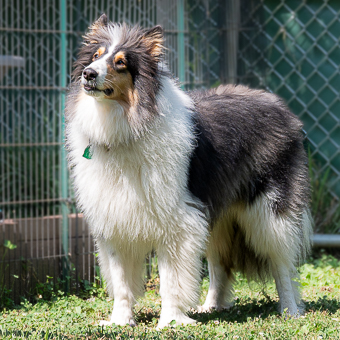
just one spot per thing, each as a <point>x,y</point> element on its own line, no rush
<point>263,308</point>
<point>241,312</point>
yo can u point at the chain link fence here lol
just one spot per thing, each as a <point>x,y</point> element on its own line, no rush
<point>292,48</point>
<point>42,234</point>
<point>288,47</point>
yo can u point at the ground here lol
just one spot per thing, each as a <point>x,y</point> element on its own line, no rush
<point>254,315</point>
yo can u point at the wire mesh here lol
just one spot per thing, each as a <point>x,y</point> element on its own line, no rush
<point>288,47</point>
<point>292,48</point>
<point>32,214</point>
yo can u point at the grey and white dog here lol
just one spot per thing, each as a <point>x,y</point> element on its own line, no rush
<point>221,172</point>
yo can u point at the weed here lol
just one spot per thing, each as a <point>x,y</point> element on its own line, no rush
<point>5,292</point>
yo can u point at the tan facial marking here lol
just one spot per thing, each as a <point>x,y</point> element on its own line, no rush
<point>98,53</point>
<point>119,78</point>
<point>120,60</point>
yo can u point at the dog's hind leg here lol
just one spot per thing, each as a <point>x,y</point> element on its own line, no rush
<point>220,293</point>
<point>122,270</point>
<point>285,273</point>
<point>281,239</point>
<point>286,288</point>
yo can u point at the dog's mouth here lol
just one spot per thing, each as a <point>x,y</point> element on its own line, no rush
<point>92,89</point>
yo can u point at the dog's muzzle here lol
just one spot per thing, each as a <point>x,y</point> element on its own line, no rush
<point>90,76</point>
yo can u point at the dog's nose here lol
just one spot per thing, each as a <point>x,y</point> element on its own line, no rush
<point>90,74</point>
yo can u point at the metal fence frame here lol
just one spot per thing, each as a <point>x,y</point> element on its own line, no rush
<point>209,43</point>
<point>39,44</point>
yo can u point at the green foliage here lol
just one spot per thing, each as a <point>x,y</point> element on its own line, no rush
<point>48,290</point>
<point>254,315</point>
<point>5,292</point>
<point>8,244</point>
<point>93,289</point>
<point>324,207</point>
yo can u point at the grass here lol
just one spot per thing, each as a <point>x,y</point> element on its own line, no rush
<point>254,315</point>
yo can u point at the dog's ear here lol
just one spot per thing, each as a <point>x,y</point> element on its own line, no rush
<point>154,39</point>
<point>90,36</point>
<point>100,22</point>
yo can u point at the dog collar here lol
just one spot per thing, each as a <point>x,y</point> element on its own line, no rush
<point>87,152</point>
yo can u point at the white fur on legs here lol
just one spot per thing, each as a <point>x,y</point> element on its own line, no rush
<point>179,270</point>
<point>220,287</point>
<point>294,276</point>
<point>281,239</point>
<point>287,289</point>
<point>122,270</point>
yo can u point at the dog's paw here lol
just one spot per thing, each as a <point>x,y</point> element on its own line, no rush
<point>130,322</point>
<point>291,310</point>
<point>104,323</point>
<point>207,307</point>
<point>120,318</point>
<point>301,308</point>
<point>292,313</point>
<point>180,318</point>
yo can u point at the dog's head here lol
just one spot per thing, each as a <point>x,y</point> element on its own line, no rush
<point>120,63</point>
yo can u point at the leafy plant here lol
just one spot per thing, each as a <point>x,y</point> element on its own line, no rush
<point>324,207</point>
<point>93,289</point>
<point>5,292</point>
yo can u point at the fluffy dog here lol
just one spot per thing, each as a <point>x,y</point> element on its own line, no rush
<point>220,172</point>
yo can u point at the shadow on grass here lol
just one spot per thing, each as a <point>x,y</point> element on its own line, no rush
<point>263,308</point>
<point>240,312</point>
<point>323,304</point>
<point>146,315</point>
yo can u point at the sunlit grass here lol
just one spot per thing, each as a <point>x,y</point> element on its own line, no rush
<point>254,315</point>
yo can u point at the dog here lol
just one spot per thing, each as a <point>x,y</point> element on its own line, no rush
<point>220,173</point>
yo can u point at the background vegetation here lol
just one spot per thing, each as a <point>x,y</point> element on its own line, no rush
<point>325,207</point>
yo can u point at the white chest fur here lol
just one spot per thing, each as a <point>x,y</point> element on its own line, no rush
<point>137,189</point>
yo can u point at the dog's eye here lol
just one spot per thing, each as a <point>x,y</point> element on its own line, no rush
<point>120,62</point>
<point>95,56</point>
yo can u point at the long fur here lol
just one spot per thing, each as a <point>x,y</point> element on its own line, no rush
<point>221,171</point>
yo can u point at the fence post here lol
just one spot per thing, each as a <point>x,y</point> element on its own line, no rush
<point>63,164</point>
<point>180,42</point>
<point>232,35</point>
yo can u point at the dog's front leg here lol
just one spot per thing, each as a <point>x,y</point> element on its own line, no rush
<point>179,270</point>
<point>122,271</point>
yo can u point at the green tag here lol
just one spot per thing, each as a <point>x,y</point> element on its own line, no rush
<point>87,153</point>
